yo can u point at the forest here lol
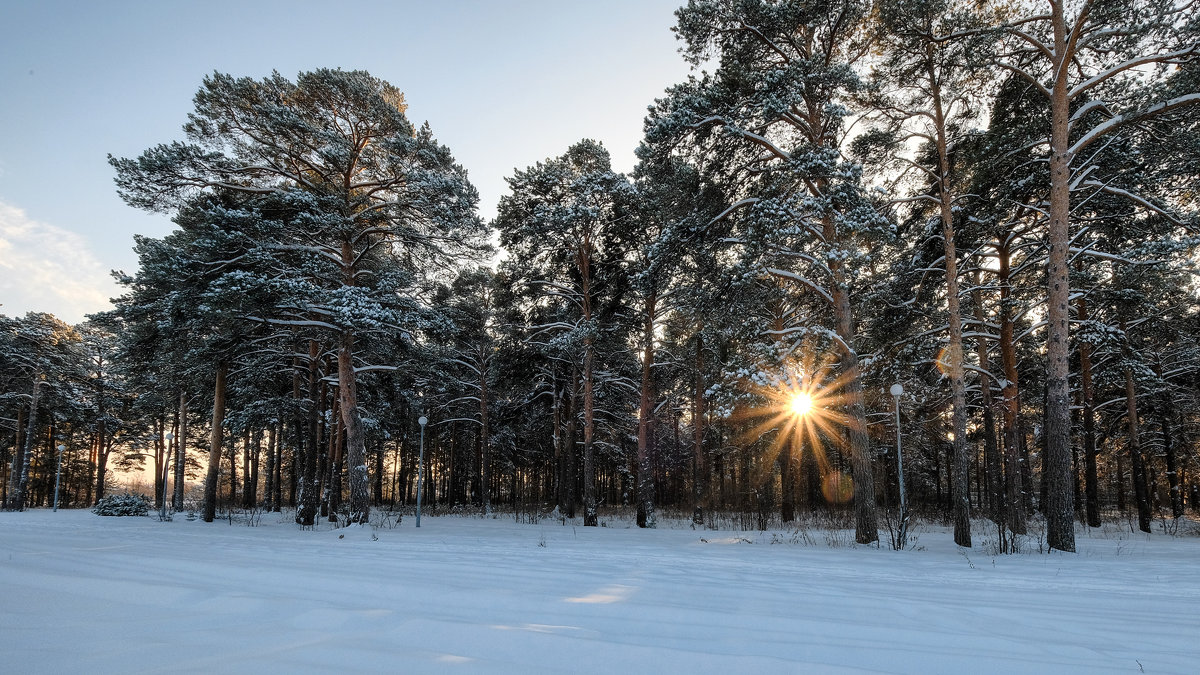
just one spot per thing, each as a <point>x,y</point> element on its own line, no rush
<point>992,205</point>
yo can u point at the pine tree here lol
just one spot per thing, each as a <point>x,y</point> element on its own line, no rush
<point>367,201</point>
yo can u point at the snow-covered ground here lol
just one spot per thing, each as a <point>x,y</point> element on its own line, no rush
<point>83,593</point>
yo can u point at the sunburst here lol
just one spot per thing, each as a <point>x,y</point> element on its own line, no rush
<point>802,411</point>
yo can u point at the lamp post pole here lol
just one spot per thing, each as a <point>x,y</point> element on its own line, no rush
<point>422,420</point>
<point>897,390</point>
<point>58,475</point>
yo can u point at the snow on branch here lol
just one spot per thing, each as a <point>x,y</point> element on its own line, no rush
<point>1121,120</point>
<point>784,274</point>
<point>1131,63</point>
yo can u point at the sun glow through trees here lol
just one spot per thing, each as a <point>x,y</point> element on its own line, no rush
<point>802,418</point>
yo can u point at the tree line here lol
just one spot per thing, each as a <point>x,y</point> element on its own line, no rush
<point>991,204</point>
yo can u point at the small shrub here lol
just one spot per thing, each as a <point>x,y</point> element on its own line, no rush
<point>127,504</point>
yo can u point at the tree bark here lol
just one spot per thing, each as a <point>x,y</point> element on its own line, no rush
<point>215,438</point>
<point>19,478</point>
<point>1166,413</point>
<point>1087,393</point>
<point>360,500</point>
<point>269,486</point>
<point>180,453</point>
<point>1137,461</point>
<point>698,412</point>
<point>570,468</point>
<point>1014,480</point>
<point>991,452</point>
<point>307,502</point>
<point>866,524</point>
<point>1059,508</point>
<point>645,478</point>
<point>485,460</point>
<point>590,516</point>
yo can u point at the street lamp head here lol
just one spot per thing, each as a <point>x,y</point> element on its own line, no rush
<point>62,448</point>
<point>897,390</point>
<point>170,436</point>
<point>422,420</point>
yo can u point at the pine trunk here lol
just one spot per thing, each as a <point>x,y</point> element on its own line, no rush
<point>269,487</point>
<point>180,452</point>
<point>485,459</point>
<point>645,479</point>
<point>698,410</point>
<point>215,438</point>
<point>991,451</point>
<point>23,455</point>
<point>1136,460</point>
<point>866,524</point>
<point>590,516</point>
<point>309,443</point>
<point>1059,508</point>
<point>1165,415</point>
<point>1091,480</point>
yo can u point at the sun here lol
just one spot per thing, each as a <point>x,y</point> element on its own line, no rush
<point>801,404</point>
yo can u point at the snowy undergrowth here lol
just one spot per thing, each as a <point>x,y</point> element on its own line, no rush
<point>476,594</point>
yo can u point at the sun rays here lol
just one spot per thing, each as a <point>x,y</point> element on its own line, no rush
<point>801,413</point>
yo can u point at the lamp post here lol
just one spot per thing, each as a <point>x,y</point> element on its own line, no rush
<point>162,498</point>
<point>422,420</point>
<point>897,390</point>
<point>58,474</point>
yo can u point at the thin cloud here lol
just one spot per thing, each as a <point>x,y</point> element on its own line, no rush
<point>45,268</point>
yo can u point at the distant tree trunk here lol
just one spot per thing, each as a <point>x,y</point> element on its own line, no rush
<point>277,481</point>
<point>308,443</point>
<point>379,474</point>
<point>269,486</point>
<point>332,471</point>
<point>645,477</point>
<point>1122,505</point>
<point>250,494</point>
<point>698,433</point>
<point>103,444</point>
<point>157,456</point>
<point>590,516</point>
<point>485,459</point>
<point>22,458</point>
<point>571,477</point>
<point>560,482</point>
<point>1014,480</point>
<point>1091,478</point>
<point>1137,461</point>
<point>787,481</point>
<point>249,466</point>
<point>180,452</point>
<point>1165,414</point>
<point>233,470</point>
<point>216,435</point>
<point>991,452</point>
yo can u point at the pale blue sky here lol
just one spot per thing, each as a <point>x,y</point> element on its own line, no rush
<point>504,84</point>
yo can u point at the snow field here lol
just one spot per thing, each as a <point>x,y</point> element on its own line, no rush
<point>79,592</point>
